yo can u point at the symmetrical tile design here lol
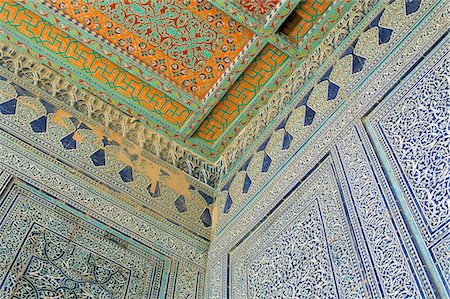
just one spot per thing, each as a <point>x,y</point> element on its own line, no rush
<point>57,254</point>
<point>413,127</point>
<point>315,56</point>
<point>441,253</point>
<point>315,103</point>
<point>48,84</point>
<point>410,129</point>
<point>103,70</point>
<point>371,218</point>
<point>337,189</point>
<point>66,235</point>
<point>388,148</point>
<point>299,247</point>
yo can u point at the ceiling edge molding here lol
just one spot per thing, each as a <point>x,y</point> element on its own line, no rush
<point>294,88</point>
<point>204,175</point>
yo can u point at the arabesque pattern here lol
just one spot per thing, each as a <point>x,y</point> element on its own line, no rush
<point>103,70</point>
<point>190,43</point>
<point>168,64</point>
<point>258,8</point>
<point>173,143</point>
<point>387,183</point>
<point>50,250</point>
<point>104,153</point>
<point>291,253</point>
<point>323,196</point>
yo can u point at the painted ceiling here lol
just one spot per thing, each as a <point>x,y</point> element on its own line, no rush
<point>193,71</point>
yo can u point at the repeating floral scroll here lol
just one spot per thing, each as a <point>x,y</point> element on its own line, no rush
<point>442,254</point>
<point>295,251</point>
<point>51,255</point>
<point>191,43</point>
<point>416,128</point>
<point>102,208</point>
<point>410,129</point>
<point>385,249</point>
<point>315,101</point>
<point>392,264</point>
<point>257,8</point>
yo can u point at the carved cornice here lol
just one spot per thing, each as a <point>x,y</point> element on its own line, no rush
<point>78,99</point>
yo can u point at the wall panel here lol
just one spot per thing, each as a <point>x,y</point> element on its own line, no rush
<point>381,162</point>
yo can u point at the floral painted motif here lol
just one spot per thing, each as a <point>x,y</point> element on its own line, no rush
<point>189,43</point>
<point>258,8</point>
<point>167,26</point>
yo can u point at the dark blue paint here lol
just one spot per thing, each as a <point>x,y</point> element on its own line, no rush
<point>9,107</point>
<point>21,91</point>
<point>180,204</point>
<point>282,125</point>
<point>333,90</point>
<point>228,204</point>
<point>209,199</point>
<point>74,120</point>
<point>39,125</point>
<point>247,183</point>
<point>98,158</point>
<point>49,107</point>
<point>227,185</point>
<point>309,116</point>
<point>412,6</point>
<point>263,146</point>
<point>305,99</point>
<point>106,142</point>
<point>266,163</point>
<point>245,166</point>
<point>84,126</point>
<point>384,34</point>
<point>206,218</point>
<point>326,76</point>
<point>126,174</point>
<point>287,139</point>
<point>157,192</point>
<point>68,142</point>
<point>358,61</point>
